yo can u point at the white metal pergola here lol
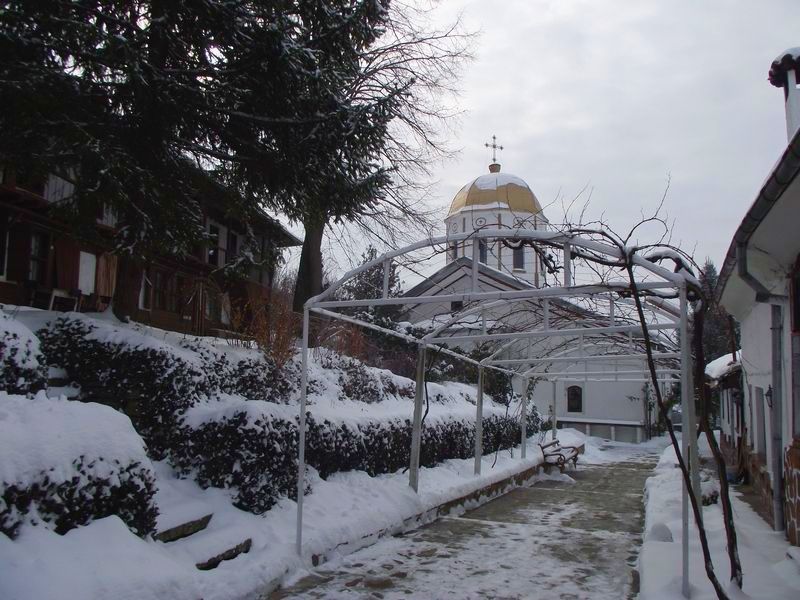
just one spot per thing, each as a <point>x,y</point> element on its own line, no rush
<point>673,360</point>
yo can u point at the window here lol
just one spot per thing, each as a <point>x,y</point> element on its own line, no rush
<point>519,258</point>
<point>574,399</point>
<point>159,291</point>
<point>147,291</point>
<point>482,251</point>
<point>232,247</point>
<point>38,262</point>
<point>87,272</point>
<point>456,306</point>
<point>213,306</point>
<point>213,249</point>
<point>453,251</point>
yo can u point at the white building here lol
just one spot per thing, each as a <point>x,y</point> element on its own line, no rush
<point>615,407</point>
<point>759,285</point>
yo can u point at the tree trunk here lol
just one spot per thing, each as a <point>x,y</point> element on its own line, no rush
<point>126,292</point>
<point>309,274</point>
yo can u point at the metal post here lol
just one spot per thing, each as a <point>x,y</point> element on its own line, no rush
<point>479,424</point>
<point>567,265</point>
<point>301,446</point>
<point>387,271</point>
<point>523,425</point>
<point>685,434</point>
<point>555,411</point>
<point>776,421</point>
<point>416,432</point>
<point>475,262</point>
<point>694,452</point>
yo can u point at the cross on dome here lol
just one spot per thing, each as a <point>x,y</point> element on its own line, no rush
<point>494,148</point>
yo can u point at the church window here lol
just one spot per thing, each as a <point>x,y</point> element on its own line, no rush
<point>574,399</point>
<point>519,258</point>
<point>482,251</point>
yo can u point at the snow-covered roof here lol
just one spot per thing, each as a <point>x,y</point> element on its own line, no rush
<point>496,190</point>
<point>719,367</point>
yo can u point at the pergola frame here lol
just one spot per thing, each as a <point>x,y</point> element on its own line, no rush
<point>660,281</point>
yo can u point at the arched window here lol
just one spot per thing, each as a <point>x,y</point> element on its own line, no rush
<point>575,399</point>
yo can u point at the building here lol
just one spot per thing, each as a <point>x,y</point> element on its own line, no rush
<point>42,264</point>
<point>613,408</point>
<point>759,285</point>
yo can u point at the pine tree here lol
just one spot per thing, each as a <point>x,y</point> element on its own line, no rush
<point>720,331</point>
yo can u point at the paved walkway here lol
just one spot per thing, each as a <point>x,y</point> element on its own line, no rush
<point>573,537</point>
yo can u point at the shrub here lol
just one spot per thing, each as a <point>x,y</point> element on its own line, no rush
<point>22,369</point>
<point>68,463</point>
<point>261,379</point>
<point>63,505</point>
<point>252,448</point>
<point>150,382</point>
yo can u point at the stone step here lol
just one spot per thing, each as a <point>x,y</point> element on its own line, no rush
<point>183,530</point>
<point>229,554</point>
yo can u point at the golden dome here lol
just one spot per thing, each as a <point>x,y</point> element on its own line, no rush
<point>496,190</point>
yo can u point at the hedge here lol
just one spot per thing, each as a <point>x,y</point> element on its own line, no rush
<point>256,455</point>
<point>22,368</point>
<point>64,505</point>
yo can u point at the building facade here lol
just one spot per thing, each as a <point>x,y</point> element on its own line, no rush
<point>44,265</point>
<point>612,408</point>
<point>759,285</point>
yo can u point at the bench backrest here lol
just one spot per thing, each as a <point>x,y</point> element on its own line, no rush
<point>548,445</point>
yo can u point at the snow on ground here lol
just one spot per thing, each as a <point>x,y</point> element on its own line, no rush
<point>42,434</point>
<point>573,535</point>
<point>90,562</point>
<point>768,573</point>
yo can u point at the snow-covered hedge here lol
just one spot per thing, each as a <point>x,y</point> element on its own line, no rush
<point>21,363</point>
<point>251,447</point>
<point>65,464</point>
<point>150,381</point>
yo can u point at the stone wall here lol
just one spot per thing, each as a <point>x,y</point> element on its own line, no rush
<point>760,480</point>
<point>791,473</point>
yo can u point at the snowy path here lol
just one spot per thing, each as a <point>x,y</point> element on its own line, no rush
<point>571,537</point>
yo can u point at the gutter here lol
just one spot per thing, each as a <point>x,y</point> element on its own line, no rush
<point>782,176</point>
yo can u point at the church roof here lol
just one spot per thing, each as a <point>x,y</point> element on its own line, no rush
<point>496,190</point>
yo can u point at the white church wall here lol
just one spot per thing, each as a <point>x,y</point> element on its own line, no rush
<point>499,257</point>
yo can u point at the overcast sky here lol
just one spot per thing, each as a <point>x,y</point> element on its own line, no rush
<point>619,96</point>
<point>622,95</point>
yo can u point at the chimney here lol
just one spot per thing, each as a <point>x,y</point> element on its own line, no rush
<point>784,74</point>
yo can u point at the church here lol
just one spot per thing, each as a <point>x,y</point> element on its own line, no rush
<point>611,404</point>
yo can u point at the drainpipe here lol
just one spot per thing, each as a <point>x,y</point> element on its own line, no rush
<point>777,416</point>
<point>777,302</point>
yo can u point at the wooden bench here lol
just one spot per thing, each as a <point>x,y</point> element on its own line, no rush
<point>557,455</point>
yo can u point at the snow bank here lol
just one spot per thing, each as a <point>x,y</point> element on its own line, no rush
<point>65,463</point>
<point>105,560</point>
<point>767,571</point>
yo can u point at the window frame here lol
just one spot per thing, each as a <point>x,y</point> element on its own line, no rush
<point>569,396</point>
<point>38,258</point>
<point>518,258</point>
